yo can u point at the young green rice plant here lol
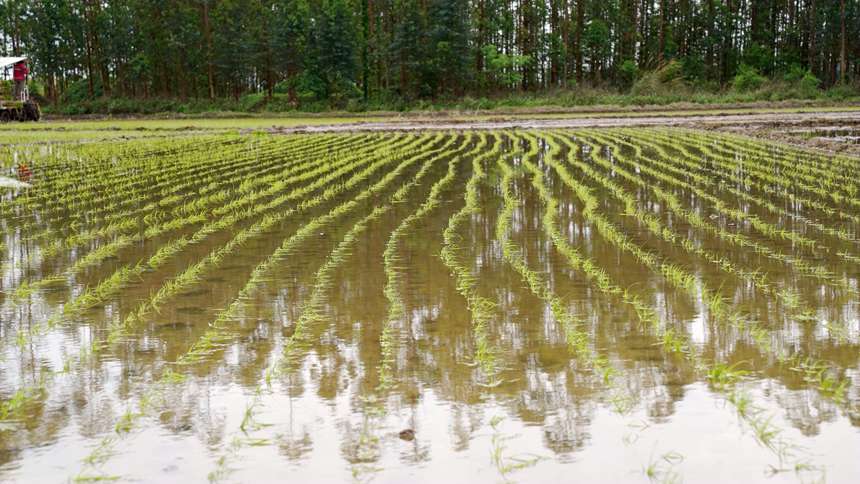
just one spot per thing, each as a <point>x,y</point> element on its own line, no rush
<point>578,340</point>
<point>219,332</point>
<point>504,463</point>
<point>313,312</point>
<point>393,286</point>
<point>756,279</point>
<point>765,181</point>
<point>481,309</point>
<point>820,273</point>
<point>678,277</point>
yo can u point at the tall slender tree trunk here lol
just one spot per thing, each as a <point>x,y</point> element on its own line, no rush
<point>811,54</point>
<point>207,37</point>
<point>661,44</point>
<point>843,59</point>
<point>481,42</point>
<point>554,59</point>
<point>365,66</point>
<point>580,25</point>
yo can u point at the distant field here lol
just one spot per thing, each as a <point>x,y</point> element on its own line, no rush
<point>123,125</point>
<point>182,300</point>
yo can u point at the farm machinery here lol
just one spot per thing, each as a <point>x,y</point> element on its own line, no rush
<point>15,103</point>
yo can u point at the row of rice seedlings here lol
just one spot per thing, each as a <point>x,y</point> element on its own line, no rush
<point>205,201</point>
<point>86,163</point>
<point>298,341</point>
<point>798,264</point>
<point>841,171</point>
<point>313,313</point>
<point>393,274</point>
<point>805,169</point>
<point>722,377</point>
<point>241,209</point>
<point>218,333</point>
<point>803,172</point>
<point>165,190</point>
<point>579,341</point>
<point>67,169</point>
<point>587,265</point>
<point>759,333</point>
<point>333,150</point>
<point>187,278</point>
<point>173,193</point>
<point>756,279</point>
<point>73,189</point>
<point>778,210</point>
<point>839,233</point>
<point>117,221</point>
<point>743,217</point>
<point>481,309</point>
<point>193,274</point>
<point>133,180</point>
<point>314,310</point>
<point>780,183</point>
<point>765,186</point>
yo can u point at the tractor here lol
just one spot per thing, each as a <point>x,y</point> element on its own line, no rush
<point>12,107</point>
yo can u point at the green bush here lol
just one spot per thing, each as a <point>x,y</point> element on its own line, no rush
<point>628,72</point>
<point>668,80</point>
<point>747,79</point>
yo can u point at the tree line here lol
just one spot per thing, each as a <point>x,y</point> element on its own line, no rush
<point>413,49</point>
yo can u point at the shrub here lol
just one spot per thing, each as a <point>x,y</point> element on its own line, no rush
<point>668,80</point>
<point>747,79</point>
<point>629,72</point>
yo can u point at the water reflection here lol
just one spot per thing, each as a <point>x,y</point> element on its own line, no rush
<point>329,419</point>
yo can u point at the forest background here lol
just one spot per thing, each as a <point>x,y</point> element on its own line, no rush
<point>146,56</point>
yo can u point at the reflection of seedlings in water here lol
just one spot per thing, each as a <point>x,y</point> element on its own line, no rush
<point>175,326</point>
<point>632,437</point>
<point>222,463</point>
<point>663,469</point>
<point>191,310</point>
<point>194,292</point>
<point>505,463</point>
<point>362,449</point>
<point>295,448</point>
<point>98,457</point>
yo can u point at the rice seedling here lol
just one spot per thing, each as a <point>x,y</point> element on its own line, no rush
<point>219,334</point>
<point>174,292</point>
<point>393,289</point>
<point>481,309</point>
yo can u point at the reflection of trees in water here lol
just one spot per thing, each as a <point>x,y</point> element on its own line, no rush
<point>294,443</point>
<point>542,382</point>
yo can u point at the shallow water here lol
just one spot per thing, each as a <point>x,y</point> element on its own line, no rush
<point>286,356</point>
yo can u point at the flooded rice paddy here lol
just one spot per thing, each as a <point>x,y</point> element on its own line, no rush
<point>604,305</point>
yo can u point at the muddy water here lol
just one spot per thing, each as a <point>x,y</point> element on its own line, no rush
<point>545,414</point>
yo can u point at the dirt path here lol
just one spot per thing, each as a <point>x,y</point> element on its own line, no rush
<point>692,120</point>
<point>778,126</point>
